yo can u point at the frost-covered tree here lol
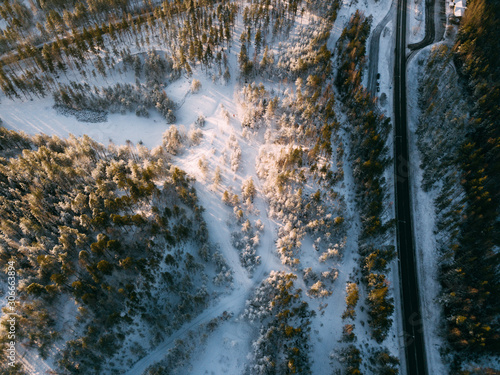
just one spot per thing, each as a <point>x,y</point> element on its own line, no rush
<point>200,121</point>
<point>195,136</point>
<point>172,140</point>
<point>195,86</point>
<point>248,189</point>
<point>218,179</point>
<point>235,152</point>
<point>155,68</point>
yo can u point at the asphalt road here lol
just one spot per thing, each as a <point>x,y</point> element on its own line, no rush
<point>374,51</point>
<point>416,363</point>
<point>430,28</point>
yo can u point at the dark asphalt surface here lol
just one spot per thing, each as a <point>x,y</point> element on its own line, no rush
<point>430,28</point>
<point>416,363</point>
<point>374,51</point>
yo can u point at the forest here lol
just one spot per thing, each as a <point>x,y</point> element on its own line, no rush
<point>112,223</point>
<point>260,221</point>
<point>117,230</point>
<point>466,176</point>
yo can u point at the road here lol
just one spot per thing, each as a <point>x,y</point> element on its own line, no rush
<point>435,23</point>
<point>416,363</point>
<point>374,51</point>
<point>430,28</point>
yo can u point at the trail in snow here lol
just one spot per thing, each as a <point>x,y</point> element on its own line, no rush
<point>233,303</point>
<point>226,304</point>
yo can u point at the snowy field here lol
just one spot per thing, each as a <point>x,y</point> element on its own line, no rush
<point>225,350</point>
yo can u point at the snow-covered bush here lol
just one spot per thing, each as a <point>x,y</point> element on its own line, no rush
<point>235,152</point>
<point>248,189</point>
<point>155,68</point>
<point>246,241</point>
<point>169,116</point>
<point>283,336</point>
<point>225,114</point>
<point>172,140</point>
<point>200,121</point>
<point>258,105</point>
<point>195,136</point>
<point>331,252</point>
<point>224,272</point>
<point>195,86</point>
<point>318,290</point>
<point>141,111</point>
<point>203,165</point>
<point>351,299</point>
<point>230,199</point>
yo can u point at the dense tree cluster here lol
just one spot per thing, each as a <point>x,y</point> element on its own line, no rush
<point>467,185</point>
<point>308,54</point>
<point>318,213</point>
<point>268,20</point>
<point>18,18</point>
<point>12,142</point>
<point>246,241</point>
<point>281,347</point>
<point>444,124</point>
<point>306,115</point>
<point>368,130</point>
<point>476,259</point>
<point>120,98</point>
<point>351,49</point>
<point>190,32</point>
<point>115,230</point>
<point>259,106</point>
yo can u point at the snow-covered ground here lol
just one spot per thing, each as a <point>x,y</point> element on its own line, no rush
<point>386,68</point>
<point>225,350</point>
<point>424,226</point>
<point>416,21</point>
<point>376,9</point>
<point>39,116</point>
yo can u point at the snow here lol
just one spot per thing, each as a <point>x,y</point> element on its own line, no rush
<point>225,304</point>
<point>33,363</point>
<point>386,68</point>
<point>38,116</point>
<point>424,226</point>
<point>376,9</point>
<point>225,351</point>
<point>416,22</point>
<point>226,348</point>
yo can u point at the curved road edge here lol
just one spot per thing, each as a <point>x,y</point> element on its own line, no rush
<point>430,28</point>
<point>374,50</point>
